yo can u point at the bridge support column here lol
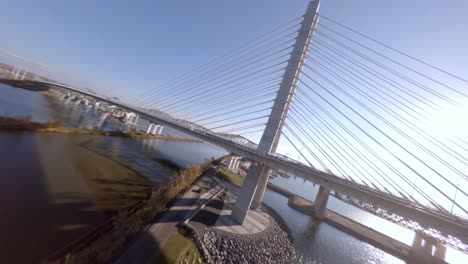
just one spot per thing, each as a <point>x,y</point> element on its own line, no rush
<point>96,105</point>
<point>17,72</point>
<point>244,200</point>
<point>262,184</point>
<point>102,119</point>
<point>321,200</point>
<point>154,131</point>
<point>233,163</point>
<point>158,130</point>
<point>149,130</point>
<point>257,177</point>
<point>135,120</point>
<point>68,99</point>
<point>426,250</point>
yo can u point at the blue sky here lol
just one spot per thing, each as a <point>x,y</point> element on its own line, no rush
<point>133,46</point>
<point>136,45</point>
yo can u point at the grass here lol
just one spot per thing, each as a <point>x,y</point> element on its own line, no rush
<point>180,248</point>
<point>105,242</point>
<point>231,177</point>
<point>7,123</point>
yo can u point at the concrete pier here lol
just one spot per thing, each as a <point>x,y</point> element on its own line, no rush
<point>321,202</point>
<point>154,129</point>
<point>426,250</point>
<point>150,128</point>
<point>233,162</point>
<point>102,119</point>
<point>416,253</point>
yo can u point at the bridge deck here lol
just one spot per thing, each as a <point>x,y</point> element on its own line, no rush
<point>444,227</point>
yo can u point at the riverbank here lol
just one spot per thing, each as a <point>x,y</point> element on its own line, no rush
<point>272,245</point>
<point>106,241</point>
<point>61,186</point>
<point>23,124</point>
<point>26,85</point>
<point>262,238</point>
<point>358,230</point>
<point>53,188</point>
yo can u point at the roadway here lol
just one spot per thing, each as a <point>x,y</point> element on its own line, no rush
<point>147,246</point>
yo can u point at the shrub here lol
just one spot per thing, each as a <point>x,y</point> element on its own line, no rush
<point>128,222</point>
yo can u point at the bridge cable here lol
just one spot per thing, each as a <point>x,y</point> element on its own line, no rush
<point>386,57</point>
<point>225,81</point>
<point>346,70</point>
<point>232,53</point>
<point>402,76</point>
<point>374,73</point>
<point>227,72</point>
<point>203,105</point>
<point>307,148</point>
<point>329,146</point>
<point>379,143</point>
<point>395,115</point>
<point>292,144</point>
<point>328,139</point>
<point>222,64</point>
<point>229,82</point>
<point>381,131</point>
<point>351,147</point>
<point>368,148</point>
<point>236,116</point>
<point>395,50</point>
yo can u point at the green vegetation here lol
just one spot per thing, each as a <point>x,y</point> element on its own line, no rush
<point>106,241</point>
<point>24,124</point>
<point>180,248</point>
<point>231,177</point>
<point>54,127</point>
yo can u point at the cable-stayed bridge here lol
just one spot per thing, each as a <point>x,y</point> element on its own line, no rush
<point>372,125</point>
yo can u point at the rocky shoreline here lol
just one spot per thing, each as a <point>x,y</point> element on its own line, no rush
<point>273,245</point>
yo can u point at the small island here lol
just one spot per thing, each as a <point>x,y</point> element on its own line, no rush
<point>25,124</point>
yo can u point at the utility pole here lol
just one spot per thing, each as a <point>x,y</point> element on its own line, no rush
<point>454,197</point>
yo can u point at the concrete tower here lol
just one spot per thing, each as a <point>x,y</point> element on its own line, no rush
<point>252,191</point>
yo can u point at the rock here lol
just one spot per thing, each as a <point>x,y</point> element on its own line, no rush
<point>273,245</point>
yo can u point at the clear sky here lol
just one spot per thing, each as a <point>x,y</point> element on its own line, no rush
<point>134,46</point>
<point>139,44</point>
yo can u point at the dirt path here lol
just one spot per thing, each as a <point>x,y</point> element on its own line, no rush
<point>147,245</point>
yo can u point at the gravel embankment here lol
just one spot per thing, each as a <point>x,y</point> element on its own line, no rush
<point>272,245</point>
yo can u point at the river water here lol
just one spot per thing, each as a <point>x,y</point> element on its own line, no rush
<point>56,187</point>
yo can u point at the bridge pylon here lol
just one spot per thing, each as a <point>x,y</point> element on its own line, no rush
<point>253,189</point>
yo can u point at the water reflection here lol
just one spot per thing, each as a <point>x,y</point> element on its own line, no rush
<point>56,187</point>
<point>321,243</point>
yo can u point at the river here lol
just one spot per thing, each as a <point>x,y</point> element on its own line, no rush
<point>57,187</point>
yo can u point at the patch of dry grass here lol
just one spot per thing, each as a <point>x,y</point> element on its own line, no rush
<point>105,242</point>
<point>26,124</point>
